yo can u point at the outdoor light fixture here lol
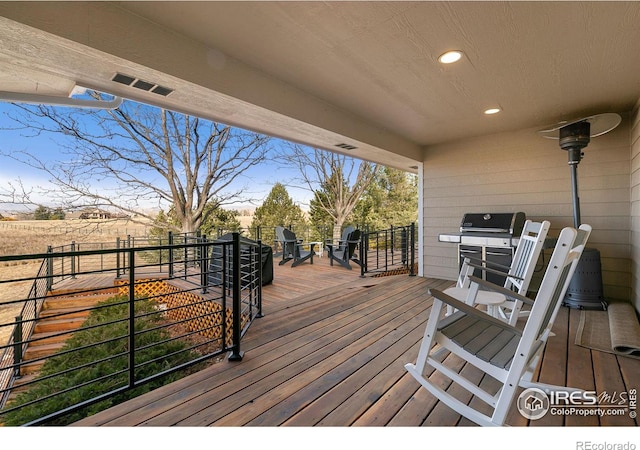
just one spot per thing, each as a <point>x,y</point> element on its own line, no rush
<point>450,57</point>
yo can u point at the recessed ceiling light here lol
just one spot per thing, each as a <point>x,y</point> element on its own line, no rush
<point>450,57</point>
<point>492,111</point>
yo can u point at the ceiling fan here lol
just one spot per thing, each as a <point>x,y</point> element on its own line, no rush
<point>573,136</point>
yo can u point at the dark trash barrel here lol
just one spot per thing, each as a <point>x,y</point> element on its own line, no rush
<point>585,289</point>
<point>216,261</point>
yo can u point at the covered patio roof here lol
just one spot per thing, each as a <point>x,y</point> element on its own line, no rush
<point>338,74</point>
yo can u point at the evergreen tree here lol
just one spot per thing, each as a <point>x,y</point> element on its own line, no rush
<point>341,179</point>
<point>58,214</point>
<point>278,209</point>
<point>401,200</point>
<point>218,221</point>
<point>42,213</point>
<point>392,199</point>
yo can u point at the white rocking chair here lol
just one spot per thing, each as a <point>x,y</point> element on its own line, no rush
<point>518,276</point>
<point>506,353</point>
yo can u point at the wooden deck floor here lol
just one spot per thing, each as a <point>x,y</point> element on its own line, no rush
<point>330,351</point>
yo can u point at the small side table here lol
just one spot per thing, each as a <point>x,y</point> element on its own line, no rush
<point>319,249</point>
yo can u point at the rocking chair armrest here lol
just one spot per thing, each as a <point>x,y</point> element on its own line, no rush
<point>483,263</point>
<point>471,311</point>
<point>494,271</point>
<point>487,285</point>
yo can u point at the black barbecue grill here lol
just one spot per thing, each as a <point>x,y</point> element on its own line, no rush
<point>490,237</point>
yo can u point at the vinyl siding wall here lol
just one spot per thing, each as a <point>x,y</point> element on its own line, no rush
<point>635,205</point>
<point>522,171</point>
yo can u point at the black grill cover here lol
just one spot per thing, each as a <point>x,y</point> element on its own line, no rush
<point>215,265</point>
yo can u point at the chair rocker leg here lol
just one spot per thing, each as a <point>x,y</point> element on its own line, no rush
<point>452,402</point>
<point>548,388</point>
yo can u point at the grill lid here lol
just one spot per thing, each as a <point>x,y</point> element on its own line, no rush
<point>511,223</point>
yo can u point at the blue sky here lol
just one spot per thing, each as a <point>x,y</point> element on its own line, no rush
<point>257,180</point>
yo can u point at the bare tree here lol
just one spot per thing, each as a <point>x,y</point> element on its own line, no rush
<point>136,154</point>
<point>337,180</point>
<point>15,193</point>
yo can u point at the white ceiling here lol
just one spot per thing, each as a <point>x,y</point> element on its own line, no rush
<point>363,73</point>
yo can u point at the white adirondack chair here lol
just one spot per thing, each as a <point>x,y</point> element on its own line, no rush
<point>518,276</point>
<point>506,353</point>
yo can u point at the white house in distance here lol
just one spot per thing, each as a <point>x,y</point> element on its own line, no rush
<point>363,78</point>
<point>95,213</point>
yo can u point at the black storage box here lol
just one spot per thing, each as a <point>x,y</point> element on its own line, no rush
<point>215,264</point>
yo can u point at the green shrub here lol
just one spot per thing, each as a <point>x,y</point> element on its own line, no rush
<point>107,361</point>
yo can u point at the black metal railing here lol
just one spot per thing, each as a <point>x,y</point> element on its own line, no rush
<point>390,250</point>
<point>145,313</point>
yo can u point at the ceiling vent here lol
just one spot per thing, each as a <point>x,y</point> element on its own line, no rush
<point>346,146</point>
<point>141,84</point>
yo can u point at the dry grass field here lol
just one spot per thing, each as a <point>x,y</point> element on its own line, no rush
<point>33,236</point>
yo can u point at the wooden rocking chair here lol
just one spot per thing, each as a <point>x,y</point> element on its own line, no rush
<point>518,276</point>
<point>506,353</point>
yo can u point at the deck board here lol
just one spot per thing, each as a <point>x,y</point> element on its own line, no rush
<point>330,351</point>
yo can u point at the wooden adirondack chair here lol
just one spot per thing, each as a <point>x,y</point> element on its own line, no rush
<point>506,353</point>
<point>518,276</point>
<point>345,235</point>
<point>286,246</point>
<point>293,248</point>
<point>343,253</point>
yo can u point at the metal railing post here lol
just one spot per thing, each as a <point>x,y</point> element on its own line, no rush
<point>170,262</point>
<point>127,254</point>
<point>393,237</point>
<point>204,264</point>
<point>185,256</point>
<point>198,250</point>
<point>412,272</point>
<point>17,346</point>
<point>49,269</point>
<point>236,354</point>
<point>386,249</point>
<point>362,255</point>
<point>132,318</point>
<point>259,287</point>
<point>118,257</point>
<point>73,259</point>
